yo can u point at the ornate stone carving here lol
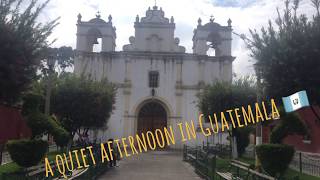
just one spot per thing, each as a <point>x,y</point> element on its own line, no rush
<point>155,16</point>
<point>79,18</point>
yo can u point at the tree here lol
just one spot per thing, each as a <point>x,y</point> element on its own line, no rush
<point>222,96</point>
<point>22,41</point>
<point>81,104</point>
<point>287,53</point>
<point>29,152</point>
<point>63,57</point>
<point>287,59</point>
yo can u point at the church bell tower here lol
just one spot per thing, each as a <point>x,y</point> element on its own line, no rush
<point>212,36</point>
<point>89,32</point>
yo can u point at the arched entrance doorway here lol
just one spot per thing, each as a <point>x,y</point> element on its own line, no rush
<point>152,116</point>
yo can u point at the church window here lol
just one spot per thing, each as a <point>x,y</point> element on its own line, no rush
<point>153,79</point>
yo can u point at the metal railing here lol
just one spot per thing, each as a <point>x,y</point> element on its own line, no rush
<point>303,162</point>
<point>221,150</point>
<point>203,162</point>
<point>306,163</point>
<point>250,152</point>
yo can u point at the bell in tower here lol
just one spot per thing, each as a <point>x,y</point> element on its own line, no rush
<point>212,36</point>
<point>89,32</point>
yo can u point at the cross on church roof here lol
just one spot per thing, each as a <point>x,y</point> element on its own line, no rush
<point>211,18</point>
<point>98,14</point>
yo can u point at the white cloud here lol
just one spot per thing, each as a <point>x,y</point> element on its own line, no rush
<point>186,12</point>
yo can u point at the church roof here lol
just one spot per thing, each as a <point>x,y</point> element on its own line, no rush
<point>211,26</point>
<point>97,20</point>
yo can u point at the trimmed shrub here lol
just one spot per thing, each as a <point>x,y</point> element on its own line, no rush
<point>275,158</point>
<point>27,153</point>
<point>289,124</point>
<point>31,110</point>
<point>242,135</point>
<point>60,135</point>
<point>38,123</point>
<point>31,103</point>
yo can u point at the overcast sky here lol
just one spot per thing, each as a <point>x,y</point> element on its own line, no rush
<point>244,14</point>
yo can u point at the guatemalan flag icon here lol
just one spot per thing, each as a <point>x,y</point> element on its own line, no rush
<point>295,101</point>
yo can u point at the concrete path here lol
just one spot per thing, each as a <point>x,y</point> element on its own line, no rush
<point>157,165</point>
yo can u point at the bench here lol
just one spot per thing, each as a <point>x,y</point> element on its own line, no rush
<point>233,164</point>
<point>38,171</point>
<point>225,175</point>
<point>242,167</point>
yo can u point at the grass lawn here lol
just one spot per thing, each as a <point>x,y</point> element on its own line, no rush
<point>9,168</point>
<point>222,164</point>
<point>292,173</point>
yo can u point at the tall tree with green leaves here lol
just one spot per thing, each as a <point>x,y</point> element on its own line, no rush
<point>287,53</point>
<point>222,96</point>
<point>82,104</point>
<point>62,56</point>
<point>22,41</point>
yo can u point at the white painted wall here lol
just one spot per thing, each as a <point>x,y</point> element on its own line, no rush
<point>154,47</point>
<point>134,68</point>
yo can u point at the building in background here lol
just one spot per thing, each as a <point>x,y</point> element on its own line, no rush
<point>309,143</point>
<point>157,81</point>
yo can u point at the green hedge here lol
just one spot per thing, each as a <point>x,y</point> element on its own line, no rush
<point>32,103</point>
<point>38,123</point>
<point>275,158</point>
<point>27,153</point>
<point>289,124</point>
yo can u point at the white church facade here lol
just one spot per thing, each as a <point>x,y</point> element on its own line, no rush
<point>157,81</point>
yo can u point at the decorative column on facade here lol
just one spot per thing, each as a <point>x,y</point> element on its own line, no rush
<point>225,68</point>
<point>179,90</point>
<point>128,124</point>
<point>201,71</point>
<point>179,95</point>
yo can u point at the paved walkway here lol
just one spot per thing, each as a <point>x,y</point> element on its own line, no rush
<point>158,165</point>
